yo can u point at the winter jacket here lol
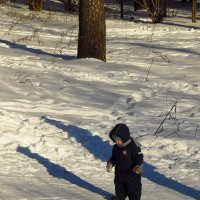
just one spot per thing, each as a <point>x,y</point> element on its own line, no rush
<point>127,156</point>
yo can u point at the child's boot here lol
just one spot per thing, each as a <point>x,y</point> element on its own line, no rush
<point>114,197</point>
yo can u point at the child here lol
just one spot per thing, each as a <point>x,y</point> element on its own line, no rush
<point>127,159</point>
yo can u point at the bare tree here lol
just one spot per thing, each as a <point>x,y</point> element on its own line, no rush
<point>92,30</point>
<point>156,9</point>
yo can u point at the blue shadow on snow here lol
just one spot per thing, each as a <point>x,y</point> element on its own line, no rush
<point>57,171</point>
<point>155,177</point>
<point>36,51</point>
<point>149,172</point>
<point>94,144</point>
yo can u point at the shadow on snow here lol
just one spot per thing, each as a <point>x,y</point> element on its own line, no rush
<point>93,143</point>
<point>155,177</point>
<point>36,51</point>
<point>57,171</point>
<point>149,172</point>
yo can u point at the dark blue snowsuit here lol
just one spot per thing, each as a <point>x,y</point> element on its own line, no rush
<point>125,158</point>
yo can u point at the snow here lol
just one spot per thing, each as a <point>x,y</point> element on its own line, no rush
<point>56,111</point>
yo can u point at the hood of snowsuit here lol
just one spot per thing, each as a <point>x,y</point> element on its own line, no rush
<point>121,131</point>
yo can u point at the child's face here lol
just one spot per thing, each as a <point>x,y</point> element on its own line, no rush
<point>118,142</point>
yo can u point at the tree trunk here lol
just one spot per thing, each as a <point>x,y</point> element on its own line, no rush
<point>152,5</point>
<point>35,5</point>
<point>122,8</point>
<point>92,30</point>
<point>194,10</point>
<point>164,8</point>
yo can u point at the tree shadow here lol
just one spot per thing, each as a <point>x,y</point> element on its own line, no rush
<point>93,143</point>
<point>161,47</point>
<point>155,177</point>
<point>36,51</point>
<point>195,26</point>
<point>57,171</point>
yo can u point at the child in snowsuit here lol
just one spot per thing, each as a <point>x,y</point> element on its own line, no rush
<point>127,159</point>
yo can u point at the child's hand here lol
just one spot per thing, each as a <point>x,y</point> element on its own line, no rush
<point>109,167</point>
<point>137,169</point>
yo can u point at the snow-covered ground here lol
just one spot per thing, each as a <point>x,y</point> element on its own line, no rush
<point>56,111</point>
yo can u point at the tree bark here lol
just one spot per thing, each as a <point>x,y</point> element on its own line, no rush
<point>92,30</point>
<point>194,10</point>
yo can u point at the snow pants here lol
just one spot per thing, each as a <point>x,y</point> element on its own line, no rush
<point>130,186</point>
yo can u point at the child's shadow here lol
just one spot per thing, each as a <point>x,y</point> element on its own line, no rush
<point>60,172</point>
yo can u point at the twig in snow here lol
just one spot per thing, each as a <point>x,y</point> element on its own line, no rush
<point>160,55</point>
<point>174,106</point>
<point>196,130</point>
